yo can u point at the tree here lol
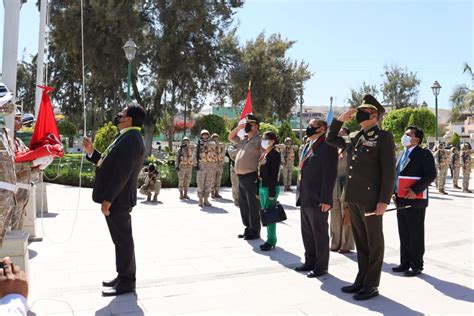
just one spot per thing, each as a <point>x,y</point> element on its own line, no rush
<point>267,127</point>
<point>462,98</point>
<point>213,123</point>
<point>69,130</point>
<point>455,140</point>
<point>357,94</point>
<point>277,81</point>
<point>400,87</point>
<point>285,131</point>
<point>104,136</point>
<point>397,121</point>
<point>26,84</point>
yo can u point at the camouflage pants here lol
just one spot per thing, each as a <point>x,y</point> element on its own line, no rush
<point>153,188</point>
<point>455,171</point>
<point>23,176</point>
<point>205,177</point>
<point>219,170</point>
<point>466,173</point>
<point>7,206</point>
<point>441,179</point>
<point>184,177</point>
<point>287,174</point>
<point>234,179</point>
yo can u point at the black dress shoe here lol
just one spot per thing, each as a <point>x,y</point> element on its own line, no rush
<point>110,283</point>
<point>267,247</point>
<point>315,274</point>
<point>353,288</point>
<point>118,290</point>
<point>412,272</point>
<point>366,293</point>
<point>304,268</point>
<point>401,268</point>
<point>251,237</point>
<point>241,235</point>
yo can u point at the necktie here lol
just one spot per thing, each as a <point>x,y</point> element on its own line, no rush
<point>400,166</point>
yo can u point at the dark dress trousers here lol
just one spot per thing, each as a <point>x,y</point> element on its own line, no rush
<point>116,182</point>
<point>411,221</point>
<point>370,180</point>
<point>318,176</point>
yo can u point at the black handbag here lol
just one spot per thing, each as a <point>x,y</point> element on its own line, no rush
<point>272,215</point>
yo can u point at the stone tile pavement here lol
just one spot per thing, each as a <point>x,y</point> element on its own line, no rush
<point>190,261</point>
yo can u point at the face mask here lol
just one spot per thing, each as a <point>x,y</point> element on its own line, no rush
<point>265,144</point>
<point>362,116</point>
<point>406,140</point>
<point>248,127</point>
<point>117,118</point>
<point>310,131</point>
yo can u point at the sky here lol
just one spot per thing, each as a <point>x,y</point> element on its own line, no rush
<point>347,42</point>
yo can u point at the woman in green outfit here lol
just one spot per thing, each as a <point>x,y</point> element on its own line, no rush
<point>268,183</point>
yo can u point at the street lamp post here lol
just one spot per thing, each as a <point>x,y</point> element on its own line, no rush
<point>300,86</point>
<point>436,87</point>
<point>130,49</point>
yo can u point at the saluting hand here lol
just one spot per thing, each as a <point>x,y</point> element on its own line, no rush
<point>346,116</point>
<point>381,207</point>
<point>106,207</point>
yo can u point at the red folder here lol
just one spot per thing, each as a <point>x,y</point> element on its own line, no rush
<point>404,183</point>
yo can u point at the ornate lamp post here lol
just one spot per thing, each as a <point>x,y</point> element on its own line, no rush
<point>130,49</point>
<point>436,87</point>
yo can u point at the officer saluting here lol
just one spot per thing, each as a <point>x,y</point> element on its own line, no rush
<point>369,186</point>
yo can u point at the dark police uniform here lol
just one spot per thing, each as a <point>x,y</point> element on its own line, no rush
<point>370,180</point>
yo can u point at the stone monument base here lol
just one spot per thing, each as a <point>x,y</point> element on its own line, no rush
<point>15,246</point>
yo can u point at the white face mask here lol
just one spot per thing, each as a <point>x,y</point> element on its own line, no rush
<point>265,144</point>
<point>406,140</point>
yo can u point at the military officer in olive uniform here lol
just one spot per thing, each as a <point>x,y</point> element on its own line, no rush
<point>287,162</point>
<point>219,167</point>
<point>234,179</point>
<point>466,166</point>
<point>455,165</point>
<point>441,157</point>
<point>368,188</point>
<point>184,166</point>
<point>204,159</point>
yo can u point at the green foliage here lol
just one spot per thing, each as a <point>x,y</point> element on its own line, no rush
<point>455,140</point>
<point>356,94</point>
<point>285,131</point>
<point>26,84</point>
<point>352,125</point>
<point>400,87</point>
<point>397,121</point>
<point>105,136</point>
<point>462,98</point>
<point>67,128</point>
<point>265,127</point>
<point>213,123</point>
<point>277,81</point>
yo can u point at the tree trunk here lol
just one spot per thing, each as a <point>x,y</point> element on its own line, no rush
<point>149,129</point>
<point>171,132</point>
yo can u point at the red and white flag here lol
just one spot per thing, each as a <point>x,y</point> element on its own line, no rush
<point>245,111</point>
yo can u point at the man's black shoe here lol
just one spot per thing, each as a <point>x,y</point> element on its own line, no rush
<point>241,235</point>
<point>353,288</point>
<point>315,274</point>
<point>366,293</point>
<point>400,268</point>
<point>251,237</point>
<point>412,272</point>
<point>110,283</point>
<point>304,268</point>
<point>118,290</point>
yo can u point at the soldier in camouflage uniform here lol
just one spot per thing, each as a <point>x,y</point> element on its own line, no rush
<point>218,167</point>
<point>455,165</point>
<point>7,173</point>
<point>152,183</point>
<point>441,158</point>
<point>466,166</point>
<point>204,160</point>
<point>287,162</point>
<point>184,166</point>
<point>234,179</point>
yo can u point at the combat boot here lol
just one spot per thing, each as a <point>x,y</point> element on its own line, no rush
<point>217,195</point>
<point>155,197</point>
<point>206,202</point>
<point>201,201</point>
<point>148,197</point>
<point>185,195</point>
<point>181,195</point>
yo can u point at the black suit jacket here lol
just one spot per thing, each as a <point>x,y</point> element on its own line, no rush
<point>116,178</point>
<point>420,164</point>
<point>318,176</point>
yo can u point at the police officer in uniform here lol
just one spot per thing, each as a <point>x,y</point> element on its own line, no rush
<point>184,166</point>
<point>368,188</point>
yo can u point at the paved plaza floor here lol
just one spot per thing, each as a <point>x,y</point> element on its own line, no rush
<point>190,261</point>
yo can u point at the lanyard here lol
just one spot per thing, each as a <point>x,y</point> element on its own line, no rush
<point>116,140</point>
<point>309,152</point>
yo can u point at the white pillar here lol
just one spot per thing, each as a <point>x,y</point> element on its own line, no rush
<point>40,58</point>
<point>10,50</point>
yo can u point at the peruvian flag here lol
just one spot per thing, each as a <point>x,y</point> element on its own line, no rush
<point>246,110</point>
<point>45,143</point>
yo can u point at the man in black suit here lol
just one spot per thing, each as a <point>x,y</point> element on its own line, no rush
<point>317,174</point>
<point>413,162</point>
<point>115,188</point>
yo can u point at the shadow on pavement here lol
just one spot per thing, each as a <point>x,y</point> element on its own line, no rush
<point>453,290</point>
<point>190,201</point>
<point>280,255</point>
<point>123,304</point>
<point>287,207</point>
<point>213,210</point>
<point>222,200</point>
<point>151,202</point>
<point>380,304</point>
<point>46,215</point>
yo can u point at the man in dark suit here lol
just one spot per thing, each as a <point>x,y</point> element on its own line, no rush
<point>368,188</point>
<point>317,174</point>
<point>115,188</point>
<point>413,162</point>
